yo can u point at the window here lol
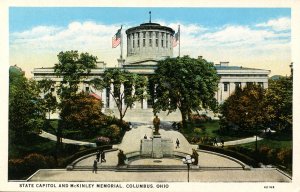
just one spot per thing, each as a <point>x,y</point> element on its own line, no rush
<point>138,43</point>
<point>144,42</point>
<point>87,89</point>
<point>162,43</point>
<point>150,42</point>
<point>226,87</point>
<point>156,34</point>
<point>144,34</point>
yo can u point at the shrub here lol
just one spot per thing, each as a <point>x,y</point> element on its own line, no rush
<point>197,130</point>
<point>102,141</point>
<point>200,118</point>
<point>71,149</point>
<point>285,156</point>
<point>112,131</point>
<point>19,168</point>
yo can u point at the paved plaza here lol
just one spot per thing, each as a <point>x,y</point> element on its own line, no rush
<point>212,167</point>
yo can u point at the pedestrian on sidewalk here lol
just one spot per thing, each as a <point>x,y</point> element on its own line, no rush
<point>215,141</point>
<point>177,143</point>
<point>103,156</point>
<point>98,156</point>
<point>95,166</point>
<point>222,142</point>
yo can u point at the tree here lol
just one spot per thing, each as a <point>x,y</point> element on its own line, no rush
<point>244,109</point>
<point>26,112</point>
<point>127,88</point>
<point>73,68</point>
<point>186,84</point>
<point>82,112</point>
<point>279,104</point>
<point>50,102</point>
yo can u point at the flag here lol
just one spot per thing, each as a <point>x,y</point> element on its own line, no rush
<point>175,39</point>
<point>116,40</point>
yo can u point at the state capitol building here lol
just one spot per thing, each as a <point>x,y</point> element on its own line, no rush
<point>146,45</point>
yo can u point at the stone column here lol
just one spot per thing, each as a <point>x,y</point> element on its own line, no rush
<point>231,88</point>
<point>103,96</point>
<point>111,99</point>
<point>133,92</point>
<point>144,104</point>
<point>243,84</point>
<point>122,92</point>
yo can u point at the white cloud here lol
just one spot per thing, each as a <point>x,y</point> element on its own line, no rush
<point>280,24</point>
<point>230,42</point>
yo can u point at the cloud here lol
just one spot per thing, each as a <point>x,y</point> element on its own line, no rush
<point>280,24</point>
<point>228,42</point>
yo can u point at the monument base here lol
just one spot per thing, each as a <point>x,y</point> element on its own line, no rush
<point>157,147</point>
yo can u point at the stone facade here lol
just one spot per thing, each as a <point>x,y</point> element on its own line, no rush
<point>146,45</point>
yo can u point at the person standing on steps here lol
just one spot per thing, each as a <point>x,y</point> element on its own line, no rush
<point>177,143</point>
<point>95,167</point>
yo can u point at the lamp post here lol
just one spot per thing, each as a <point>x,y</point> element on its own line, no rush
<point>188,160</point>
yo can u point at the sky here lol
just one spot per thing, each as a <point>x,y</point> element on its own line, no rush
<point>248,37</point>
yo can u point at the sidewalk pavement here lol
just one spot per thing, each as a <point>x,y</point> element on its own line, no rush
<point>255,175</point>
<point>68,141</point>
<point>242,141</point>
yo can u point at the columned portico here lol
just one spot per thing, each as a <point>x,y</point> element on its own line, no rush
<point>146,45</point>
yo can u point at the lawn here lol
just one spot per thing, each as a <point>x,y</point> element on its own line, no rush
<point>272,143</point>
<point>209,129</point>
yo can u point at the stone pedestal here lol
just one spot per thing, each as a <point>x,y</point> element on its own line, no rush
<point>157,151</point>
<point>156,147</point>
<point>146,147</point>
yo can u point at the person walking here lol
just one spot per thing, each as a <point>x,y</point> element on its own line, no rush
<point>103,156</point>
<point>95,167</point>
<point>222,142</point>
<point>98,156</point>
<point>177,143</point>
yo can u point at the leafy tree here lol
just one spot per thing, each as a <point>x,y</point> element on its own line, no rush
<point>127,88</point>
<point>26,112</point>
<point>244,109</point>
<point>50,102</point>
<point>82,112</point>
<point>73,68</point>
<point>278,102</point>
<point>186,84</point>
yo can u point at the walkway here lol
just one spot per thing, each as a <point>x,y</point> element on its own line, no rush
<point>242,141</point>
<point>212,167</point>
<point>255,175</point>
<point>64,140</point>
